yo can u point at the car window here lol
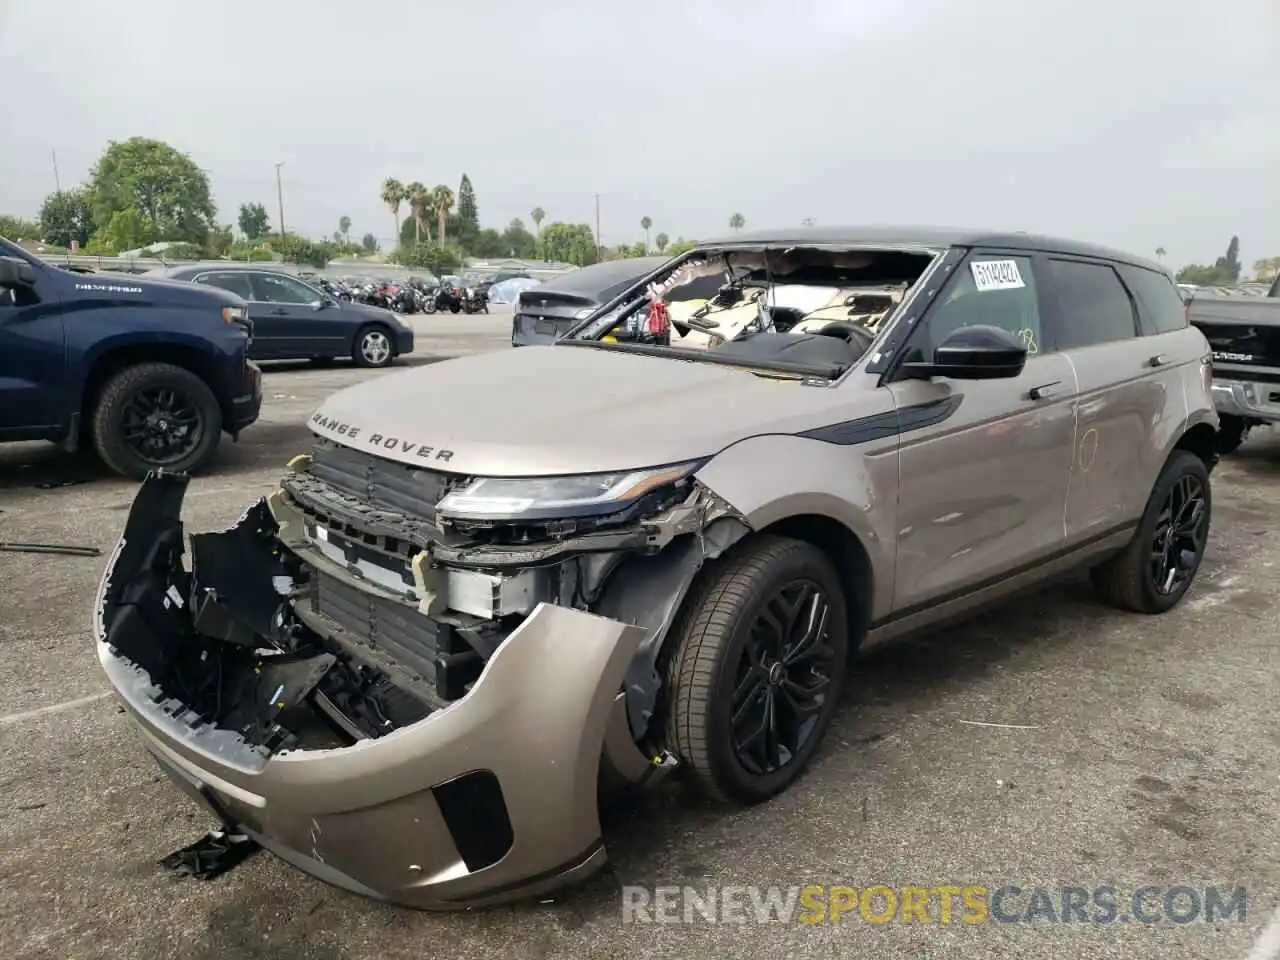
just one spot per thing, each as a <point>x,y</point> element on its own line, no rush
<point>991,290</point>
<point>237,283</point>
<point>271,288</point>
<point>1095,306</point>
<point>1160,298</point>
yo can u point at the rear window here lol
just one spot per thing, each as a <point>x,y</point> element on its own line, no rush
<point>237,283</point>
<point>1159,298</point>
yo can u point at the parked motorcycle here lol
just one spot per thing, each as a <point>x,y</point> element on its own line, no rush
<point>474,300</point>
<point>446,298</point>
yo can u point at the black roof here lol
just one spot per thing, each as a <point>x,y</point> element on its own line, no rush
<point>600,276</point>
<point>933,238</point>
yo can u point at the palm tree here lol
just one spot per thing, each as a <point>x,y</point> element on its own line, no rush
<point>1160,252</point>
<point>645,224</point>
<point>392,194</point>
<point>536,215</point>
<point>441,202</point>
<point>661,241</point>
<point>737,222</point>
<point>344,225</point>
<point>419,203</point>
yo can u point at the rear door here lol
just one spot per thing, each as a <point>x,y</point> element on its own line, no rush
<point>237,282</point>
<point>983,464</point>
<point>296,318</point>
<point>1126,386</point>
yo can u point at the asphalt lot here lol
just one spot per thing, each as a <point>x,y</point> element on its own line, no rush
<point>1140,750</point>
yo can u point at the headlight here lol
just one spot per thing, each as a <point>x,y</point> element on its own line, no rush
<point>235,315</point>
<point>502,498</point>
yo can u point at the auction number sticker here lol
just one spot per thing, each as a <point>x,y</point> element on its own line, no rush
<point>996,275</point>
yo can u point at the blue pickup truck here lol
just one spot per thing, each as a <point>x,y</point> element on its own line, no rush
<point>150,373</point>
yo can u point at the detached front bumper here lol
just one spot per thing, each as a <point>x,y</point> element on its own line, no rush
<point>1252,401</point>
<point>491,798</point>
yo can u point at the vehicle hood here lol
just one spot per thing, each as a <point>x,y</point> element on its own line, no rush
<point>547,410</point>
<point>124,287</point>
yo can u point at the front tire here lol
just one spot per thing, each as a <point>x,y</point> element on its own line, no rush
<point>155,416</point>
<point>1153,573</point>
<point>373,347</point>
<point>761,648</point>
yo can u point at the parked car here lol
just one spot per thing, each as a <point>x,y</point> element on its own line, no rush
<point>294,320</point>
<point>148,373</point>
<point>1244,332</point>
<point>551,308</point>
<point>414,668</point>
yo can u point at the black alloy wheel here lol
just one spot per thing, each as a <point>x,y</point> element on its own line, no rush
<point>783,678</point>
<point>1179,538</point>
<point>161,425</point>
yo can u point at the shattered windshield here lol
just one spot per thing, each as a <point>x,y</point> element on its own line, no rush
<point>809,310</point>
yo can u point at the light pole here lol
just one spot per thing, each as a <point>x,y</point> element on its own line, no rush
<point>280,196</point>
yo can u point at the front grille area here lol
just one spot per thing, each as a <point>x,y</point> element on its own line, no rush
<point>384,484</point>
<point>433,652</point>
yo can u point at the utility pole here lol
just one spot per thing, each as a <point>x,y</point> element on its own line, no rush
<point>57,181</point>
<point>280,196</point>
<point>598,241</point>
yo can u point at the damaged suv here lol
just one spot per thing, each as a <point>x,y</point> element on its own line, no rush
<point>468,612</point>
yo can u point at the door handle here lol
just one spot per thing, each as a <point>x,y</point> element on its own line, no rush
<point>1159,360</point>
<point>1044,391</point>
<point>279,312</point>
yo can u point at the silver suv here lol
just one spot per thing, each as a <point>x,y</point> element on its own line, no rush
<point>498,584</point>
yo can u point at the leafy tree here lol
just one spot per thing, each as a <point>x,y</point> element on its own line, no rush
<point>16,228</point>
<point>419,201</point>
<point>519,242</point>
<point>392,195</point>
<point>441,203</point>
<point>164,187</point>
<point>219,243</point>
<point>1160,253</point>
<point>537,214</point>
<point>128,229</point>
<point>467,202</point>
<point>1266,269</point>
<point>344,224</point>
<point>569,243</point>
<point>409,234</point>
<point>437,257</point>
<point>1231,262</point>
<point>296,249</point>
<point>369,242</point>
<point>645,224</point>
<point>65,217</point>
<point>737,222</point>
<point>488,243</point>
<point>681,246</point>
<point>254,220</point>
<point>661,241</point>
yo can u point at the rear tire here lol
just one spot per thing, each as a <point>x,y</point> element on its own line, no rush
<point>116,417</point>
<point>373,347</point>
<point>1232,431</point>
<point>1153,573</point>
<point>723,655</point>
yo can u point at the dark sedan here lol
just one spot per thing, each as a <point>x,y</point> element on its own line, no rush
<point>293,320</point>
<point>546,311</point>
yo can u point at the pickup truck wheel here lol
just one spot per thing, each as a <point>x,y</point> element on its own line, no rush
<point>373,347</point>
<point>1232,431</point>
<point>1158,566</point>
<point>153,416</point>
<point>761,648</point>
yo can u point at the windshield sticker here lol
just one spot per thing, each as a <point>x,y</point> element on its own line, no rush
<point>107,288</point>
<point>996,275</point>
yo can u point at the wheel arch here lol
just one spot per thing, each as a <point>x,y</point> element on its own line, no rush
<point>111,361</point>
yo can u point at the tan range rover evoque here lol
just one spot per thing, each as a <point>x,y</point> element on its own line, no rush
<point>500,584</point>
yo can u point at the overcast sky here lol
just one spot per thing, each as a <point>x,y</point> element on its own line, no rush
<point>1138,123</point>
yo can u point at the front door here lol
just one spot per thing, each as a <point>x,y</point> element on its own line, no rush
<point>1122,394</point>
<point>983,464</point>
<point>298,319</point>
<point>35,396</point>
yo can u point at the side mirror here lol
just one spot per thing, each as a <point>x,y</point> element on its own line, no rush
<point>973,353</point>
<point>322,303</point>
<point>16,273</point>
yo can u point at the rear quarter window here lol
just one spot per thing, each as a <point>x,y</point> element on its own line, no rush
<point>1158,297</point>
